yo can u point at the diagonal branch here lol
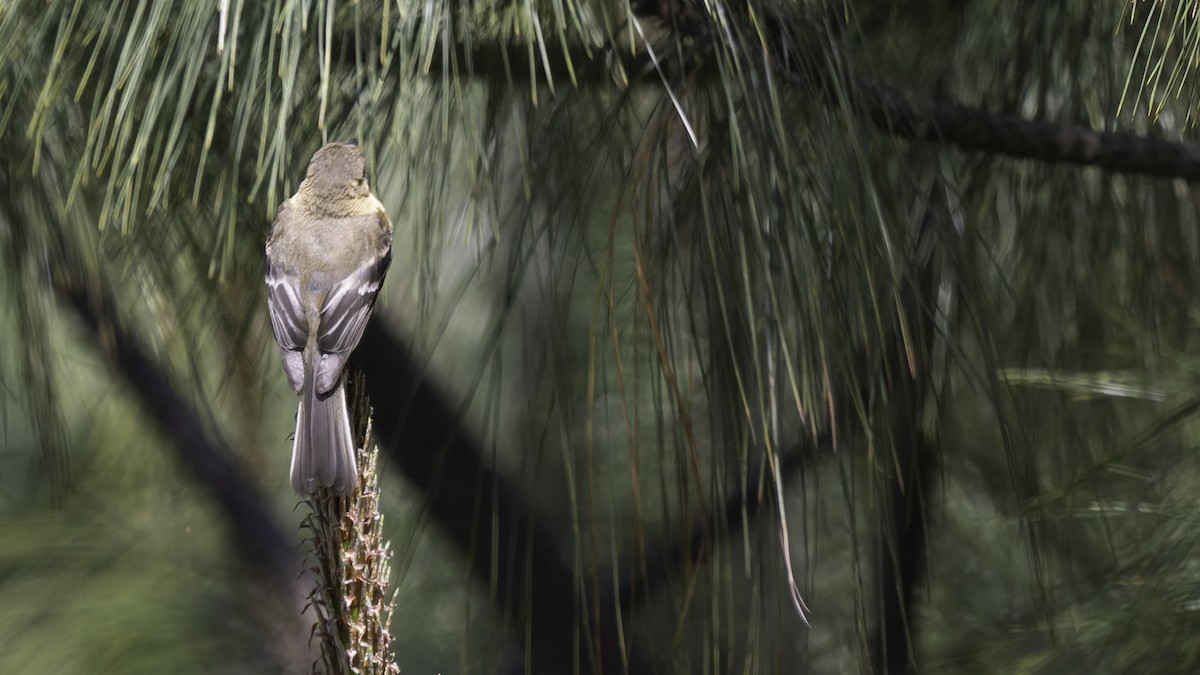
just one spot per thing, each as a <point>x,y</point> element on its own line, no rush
<point>796,47</point>
<point>259,543</point>
<point>420,430</point>
<point>914,117</point>
<point>262,542</point>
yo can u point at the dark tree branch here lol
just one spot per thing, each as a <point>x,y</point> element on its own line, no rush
<point>274,592</point>
<point>804,56</point>
<point>420,431</point>
<point>258,538</point>
<point>903,511</point>
<point>918,118</point>
<point>912,116</point>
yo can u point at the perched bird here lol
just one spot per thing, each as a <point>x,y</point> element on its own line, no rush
<point>328,251</point>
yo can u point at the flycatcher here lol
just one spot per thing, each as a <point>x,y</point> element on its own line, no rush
<point>329,249</point>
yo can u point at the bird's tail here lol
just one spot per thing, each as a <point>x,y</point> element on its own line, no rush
<point>323,453</point>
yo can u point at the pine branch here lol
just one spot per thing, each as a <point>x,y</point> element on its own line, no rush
<point>350,560</point>
<point>914,117</point>
<point>809,61</point>
<point>796,47</point>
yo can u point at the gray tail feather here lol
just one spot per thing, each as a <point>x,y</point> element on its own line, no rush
<point>323,454</point>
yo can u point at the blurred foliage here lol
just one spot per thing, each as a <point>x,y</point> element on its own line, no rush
<point>647,274</point>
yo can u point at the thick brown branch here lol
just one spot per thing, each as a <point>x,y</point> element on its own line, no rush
<point>923,119</point>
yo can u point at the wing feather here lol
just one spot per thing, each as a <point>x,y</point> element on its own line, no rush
<point>347,309</point>
<point>286,309</point>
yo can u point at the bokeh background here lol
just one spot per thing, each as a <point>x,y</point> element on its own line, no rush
<point>730,340</point>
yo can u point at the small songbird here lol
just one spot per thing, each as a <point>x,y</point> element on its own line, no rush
<point>329,249</point>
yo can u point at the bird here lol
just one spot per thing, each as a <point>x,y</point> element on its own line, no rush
<point>328,251</point>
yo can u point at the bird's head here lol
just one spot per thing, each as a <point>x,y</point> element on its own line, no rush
<point>338,170</point>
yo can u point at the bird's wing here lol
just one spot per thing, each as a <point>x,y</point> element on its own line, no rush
<point>287,313</point>
<point>347,308</point>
